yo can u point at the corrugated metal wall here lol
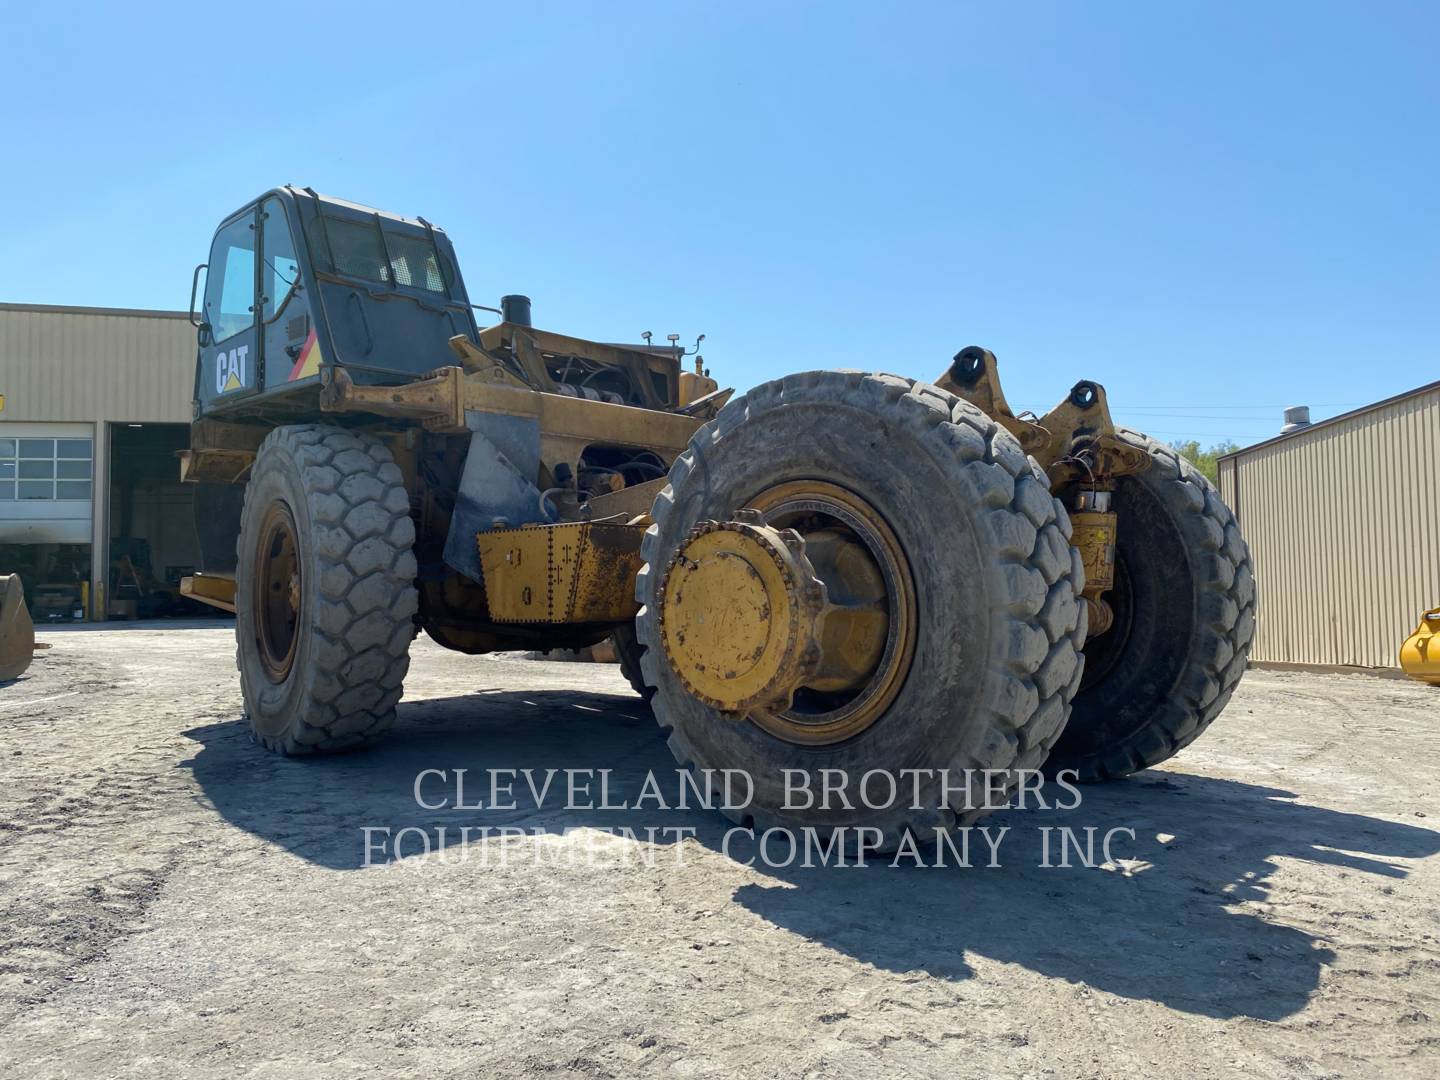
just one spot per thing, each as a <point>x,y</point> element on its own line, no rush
<point>67,365</point>
<point>1344,525</point>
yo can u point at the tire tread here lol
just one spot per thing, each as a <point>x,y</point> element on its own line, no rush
<point>365,596</point>
<point>1225,623</point>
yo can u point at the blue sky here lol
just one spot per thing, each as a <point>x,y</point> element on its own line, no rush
<point>1214,209</point>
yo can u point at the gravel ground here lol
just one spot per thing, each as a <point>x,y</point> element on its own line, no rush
<point>176,902</point>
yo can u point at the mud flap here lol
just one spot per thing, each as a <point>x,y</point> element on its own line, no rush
<point>17,632</point>
<point>495,491</point>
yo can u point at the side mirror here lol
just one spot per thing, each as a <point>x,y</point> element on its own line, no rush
<point>194,285</point>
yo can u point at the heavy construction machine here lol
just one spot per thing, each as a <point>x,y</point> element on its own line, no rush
<point>838,570</point>
<point>17,632</point>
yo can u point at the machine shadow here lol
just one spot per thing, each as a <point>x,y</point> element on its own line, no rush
<point>1168,927</point>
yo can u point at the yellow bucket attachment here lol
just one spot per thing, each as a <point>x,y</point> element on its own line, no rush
<point>1420,655</point>
<point>17,632</point>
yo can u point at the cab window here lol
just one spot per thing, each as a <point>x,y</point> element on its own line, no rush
<point>230,283</point>
<point>277,249</point>
<point>357,249</point>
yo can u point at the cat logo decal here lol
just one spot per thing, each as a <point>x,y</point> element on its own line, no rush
<point>230,372</point>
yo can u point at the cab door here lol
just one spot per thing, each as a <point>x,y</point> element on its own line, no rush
<point>229,328</point>
<point>289,351</point>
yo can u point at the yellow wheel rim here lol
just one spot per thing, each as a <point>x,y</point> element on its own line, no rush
<point>868,661</point>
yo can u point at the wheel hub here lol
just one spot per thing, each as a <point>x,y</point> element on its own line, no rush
<point>799,613</point>
<point>277,592</point>
<point>740,614</point>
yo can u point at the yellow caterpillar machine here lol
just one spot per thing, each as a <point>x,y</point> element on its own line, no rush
<point>1420,654</point>
<point>837,570</point>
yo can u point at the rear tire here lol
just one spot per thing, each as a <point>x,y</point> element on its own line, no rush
<point>325,590</point>
<point>628,652</point>
<point>998,624</point>
<point>1184,602</point>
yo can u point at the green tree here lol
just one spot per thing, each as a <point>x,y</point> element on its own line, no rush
<point>1205,460</point>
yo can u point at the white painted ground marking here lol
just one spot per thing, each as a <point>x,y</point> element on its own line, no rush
<point>37,701</point>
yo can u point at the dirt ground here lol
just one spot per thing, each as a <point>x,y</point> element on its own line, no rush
<point>176,902</point>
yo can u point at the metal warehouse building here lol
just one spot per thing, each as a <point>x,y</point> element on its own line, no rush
<point>96,403</point>
<point>1343,520</point>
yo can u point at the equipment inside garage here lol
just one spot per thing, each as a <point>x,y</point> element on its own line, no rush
<point>55,578</point>
<point>45,512</point>
<point>152,525</point>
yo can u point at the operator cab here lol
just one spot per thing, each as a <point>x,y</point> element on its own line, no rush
<point>297,281</point>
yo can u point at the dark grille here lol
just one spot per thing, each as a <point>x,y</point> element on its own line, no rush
<point>413,259</point>
<point>356,249</point>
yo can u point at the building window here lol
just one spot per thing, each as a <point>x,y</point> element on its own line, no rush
<point>46,469</point>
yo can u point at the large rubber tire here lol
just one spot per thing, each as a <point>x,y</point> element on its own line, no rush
<point>628,652</point>
<point>999,620</point>
<point>1184,603</point>
<point>353,539</point>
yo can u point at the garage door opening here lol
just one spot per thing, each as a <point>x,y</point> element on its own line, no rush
<point>152,525</point>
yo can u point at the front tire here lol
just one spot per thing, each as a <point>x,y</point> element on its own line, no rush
<point>325,590</point>
<point>996,616</point>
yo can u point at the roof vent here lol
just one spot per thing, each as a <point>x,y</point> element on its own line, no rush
<point>1296,417</point>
